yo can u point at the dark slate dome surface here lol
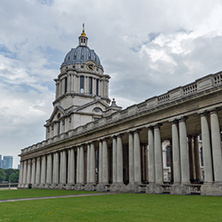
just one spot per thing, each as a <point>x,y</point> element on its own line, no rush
<point>80,54</point>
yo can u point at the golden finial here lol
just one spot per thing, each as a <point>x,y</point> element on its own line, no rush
<point>83,30</point>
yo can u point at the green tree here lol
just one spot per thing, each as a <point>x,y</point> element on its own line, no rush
<point>14,177</point>
<point>8,172</point>
<point>2,175</point>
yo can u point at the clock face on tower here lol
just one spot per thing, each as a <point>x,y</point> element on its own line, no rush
<point>90,66</point>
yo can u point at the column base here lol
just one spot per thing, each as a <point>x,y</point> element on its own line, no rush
<point>180,189</point>
<point>211,189</point>
<point>54,186</point>
<point>154,188</point>
<point>79,186</point>
<point>103,187</point>
<point>118,187</point>
<point>90,187</point>
<point>61,186</point>
<point>70,186</point>
<point>41,186</point>
<point>48,186</point>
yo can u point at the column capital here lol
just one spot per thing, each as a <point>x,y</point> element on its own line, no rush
<point>174,120</point>
<point>149,126</point>
<point>183,119</point>
<point>203,113</point>
<point>158,125</point>
<point>214,110</point>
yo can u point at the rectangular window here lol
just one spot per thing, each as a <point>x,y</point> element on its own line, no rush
<point>90,85</point>
<point>97,87</point>
<point>65,85</point>
<point>81,84</point>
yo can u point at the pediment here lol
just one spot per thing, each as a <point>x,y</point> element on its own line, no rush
<point>90,107</point>
<point>57,109</point>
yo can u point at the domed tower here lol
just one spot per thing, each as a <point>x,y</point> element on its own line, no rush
<point>81,90</point>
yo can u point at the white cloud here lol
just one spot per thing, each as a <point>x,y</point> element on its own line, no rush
<point>140,43</point>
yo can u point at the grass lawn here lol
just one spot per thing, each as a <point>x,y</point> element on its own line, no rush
<point>116,207</point>
<point>15,194</point>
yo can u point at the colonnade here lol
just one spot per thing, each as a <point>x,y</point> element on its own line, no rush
<point>101,165</point>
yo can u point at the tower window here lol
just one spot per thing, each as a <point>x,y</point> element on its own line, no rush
<point>90,85</point>
<point>97,87</point>
<point>65,85</point>
<point>82,67</point>
<point>81,84</point>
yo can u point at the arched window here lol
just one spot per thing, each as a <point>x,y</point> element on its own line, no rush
<point>81,84</point>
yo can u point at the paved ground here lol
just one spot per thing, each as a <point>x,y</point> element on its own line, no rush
<point>53,197</point>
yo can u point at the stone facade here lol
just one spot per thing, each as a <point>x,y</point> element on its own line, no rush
<point>128,150</point>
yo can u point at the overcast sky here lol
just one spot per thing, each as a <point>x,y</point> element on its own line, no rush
<point>147,47</point>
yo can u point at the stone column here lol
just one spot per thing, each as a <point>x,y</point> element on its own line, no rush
<point>72,82</point>
<point>176,153</point>
<point>55,173</point>
<point>60,166</point>
<point>184,154</point>
<point>49,169</point>
<point>131,158</point>
<point>101,83</point>
<point>119,159</point>
<point>207,156</point>
<point>114,160</point>
<point>191,158</point>
<point>71,167</point>
<point>88,163</point>
<point>105,175</point>
<point>137,157</point>
<point>57,89</point>
<point>21,173</point>
<point>216,147</point>
<point>76,83</point>
<point>38,170</point>
<point>63,178</point>
<point>81,165</point>
<point>151,161</point>
<point>197,159</point>
<point>77,166</point>
<point>158,155</point>
<point>43,170</point>
<point>24,172</point>
<point>60,87</point>
<point>33,172</point>
<point>100,161</point>
<point>92,164</point>
<point>68,83</point>
<point>28,172</point>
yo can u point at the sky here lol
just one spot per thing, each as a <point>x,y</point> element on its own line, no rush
<point>147,47</point>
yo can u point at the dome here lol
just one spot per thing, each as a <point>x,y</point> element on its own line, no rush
<point>80,54</point>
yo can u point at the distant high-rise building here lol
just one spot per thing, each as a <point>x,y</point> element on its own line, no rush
<point>1,162</point>
<point>7,162</point>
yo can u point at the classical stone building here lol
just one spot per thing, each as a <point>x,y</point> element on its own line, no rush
<point>170,143</point>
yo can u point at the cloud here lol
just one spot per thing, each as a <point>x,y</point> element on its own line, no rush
<point>147,47</point>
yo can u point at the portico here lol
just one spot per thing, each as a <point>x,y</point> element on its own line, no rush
<point>123,151</point>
